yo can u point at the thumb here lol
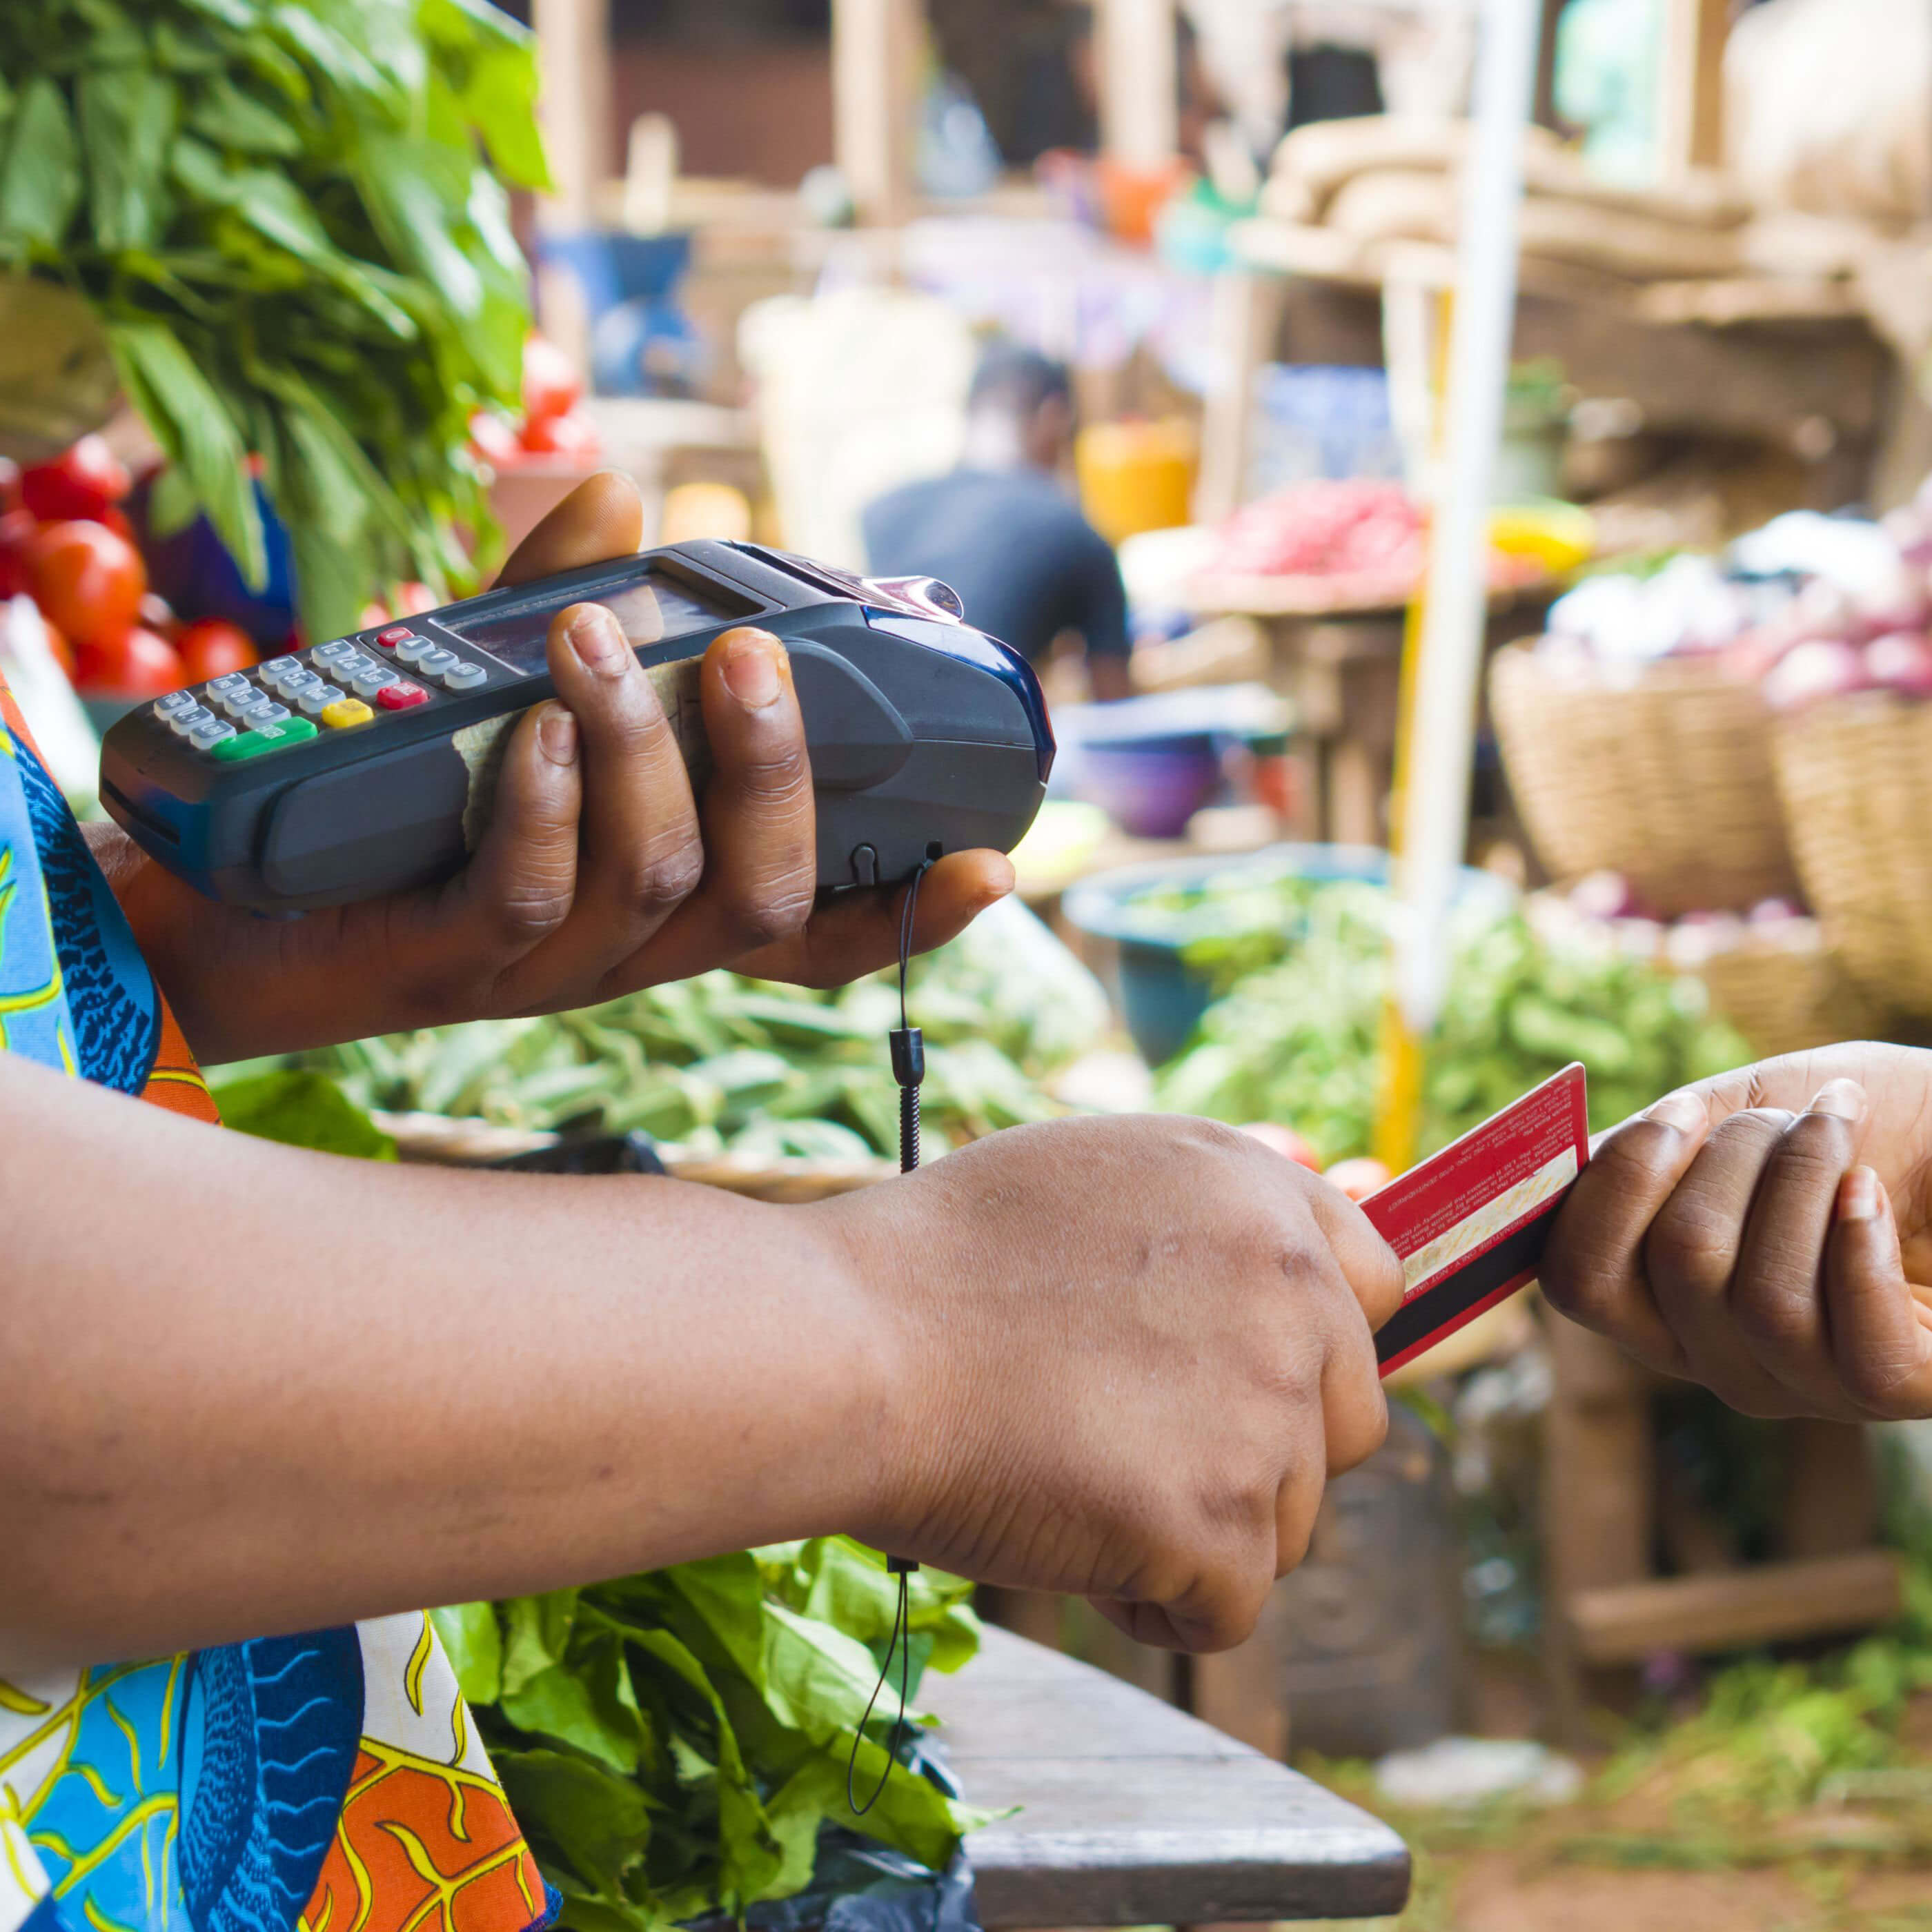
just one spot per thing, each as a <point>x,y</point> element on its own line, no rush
<point>1367,1261</point>
<point>1883,1349</point>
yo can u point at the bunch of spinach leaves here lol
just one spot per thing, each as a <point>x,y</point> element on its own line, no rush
<point>281,214</point>
<point>675,1743</point>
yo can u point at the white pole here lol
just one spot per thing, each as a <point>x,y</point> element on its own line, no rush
<point>1436,792</point>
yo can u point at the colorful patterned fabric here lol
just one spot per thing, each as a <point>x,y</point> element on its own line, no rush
<point>332,1782</point>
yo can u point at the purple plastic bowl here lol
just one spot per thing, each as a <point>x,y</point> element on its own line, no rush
<point>1151,790</point>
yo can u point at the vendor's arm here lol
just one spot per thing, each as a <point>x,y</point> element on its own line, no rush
<point>599,875</point>
<point>253,1389</point>
<point>1769,1234</point>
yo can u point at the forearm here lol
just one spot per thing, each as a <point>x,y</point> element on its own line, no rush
<point>250,1389</point>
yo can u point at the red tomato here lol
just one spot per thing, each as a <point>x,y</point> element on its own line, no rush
<point>551,384</point>
<point>136,664</point>
<point>371,616</point>
<point>1286,1142</point>
<point>88,580</point>
<point>17,530</point>
<point>85,480</point>
<point>412,600</point>
<point>1360,1178</point>
<point>212,647</point>
<point>493,438</point>
<point>573,437</point>
<point>157,615</point>
<point>9,484</point>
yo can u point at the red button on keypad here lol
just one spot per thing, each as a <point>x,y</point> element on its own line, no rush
<point>400,696</point>
<point>395,634</point>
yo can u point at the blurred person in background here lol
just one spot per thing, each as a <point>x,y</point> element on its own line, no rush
<point>1003,531</point>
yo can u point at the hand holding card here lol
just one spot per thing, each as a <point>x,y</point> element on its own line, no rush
<point>1469,1224</point>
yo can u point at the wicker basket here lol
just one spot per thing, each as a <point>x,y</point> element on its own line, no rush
<point>1855,777</point>
<point>1786,998</point>
<point>438,1140</point>
<point>1667,780</point>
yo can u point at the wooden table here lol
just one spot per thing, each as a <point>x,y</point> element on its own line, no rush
<point>1134,1814</point>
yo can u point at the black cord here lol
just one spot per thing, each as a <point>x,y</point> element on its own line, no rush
<point>900,1640</point>
<point>908,1050</point>
<point>907,1042</point>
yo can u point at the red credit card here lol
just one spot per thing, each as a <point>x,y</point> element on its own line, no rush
<point>1468,1224</point>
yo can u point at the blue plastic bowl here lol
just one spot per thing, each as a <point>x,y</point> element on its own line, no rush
<point>1161,996</point>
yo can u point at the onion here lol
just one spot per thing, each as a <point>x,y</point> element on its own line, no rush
<point>1823,609</point>
<point>1602,895</point>
<point>1819,668</point>
<point>1700,937</point>
<point>1901,661</point>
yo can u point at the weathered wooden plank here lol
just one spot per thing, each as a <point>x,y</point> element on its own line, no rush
<point>1772,1603</point>
<point>1132,1813</point>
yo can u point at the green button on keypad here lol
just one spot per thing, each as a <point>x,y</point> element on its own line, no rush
<point>266,738</point>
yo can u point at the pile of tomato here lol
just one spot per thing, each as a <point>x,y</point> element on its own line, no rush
<point>66,542</point>
<point>552,424</point>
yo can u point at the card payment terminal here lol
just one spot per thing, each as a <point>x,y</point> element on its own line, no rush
<point>367,763</point>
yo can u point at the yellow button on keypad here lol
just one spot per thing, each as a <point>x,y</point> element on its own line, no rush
<point>346,712</point>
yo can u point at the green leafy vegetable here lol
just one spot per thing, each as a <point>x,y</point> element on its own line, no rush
<point>1293,1038</point>
<point>303,1110</point>
<point>722,1063</point>
<point>676,1742</point>
<point>283,214</point>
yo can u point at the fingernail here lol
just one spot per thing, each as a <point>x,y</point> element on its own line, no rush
<point>600,645</point>
<point>557,733</point>
<point>1000,881</point>
<point>1857,1196</point>
<point>1844,1099</point>
<point>751,670</point>
<point>1684,1112</point>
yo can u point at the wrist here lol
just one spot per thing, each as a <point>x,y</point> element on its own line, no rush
<point>896,1367</point>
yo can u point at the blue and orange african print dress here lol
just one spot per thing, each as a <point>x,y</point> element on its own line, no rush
<point>328,1782</point>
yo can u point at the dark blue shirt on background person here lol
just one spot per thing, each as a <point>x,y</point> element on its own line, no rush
<point>1004,533</point>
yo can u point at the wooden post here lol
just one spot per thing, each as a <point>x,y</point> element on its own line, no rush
<point>574,66</point>
<point>1599,1484</point>
<point>573,109</point>
<point>1691,122</point>
<point>1244,315</point>
<point>875,82</point>
<point>1139,82</point>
